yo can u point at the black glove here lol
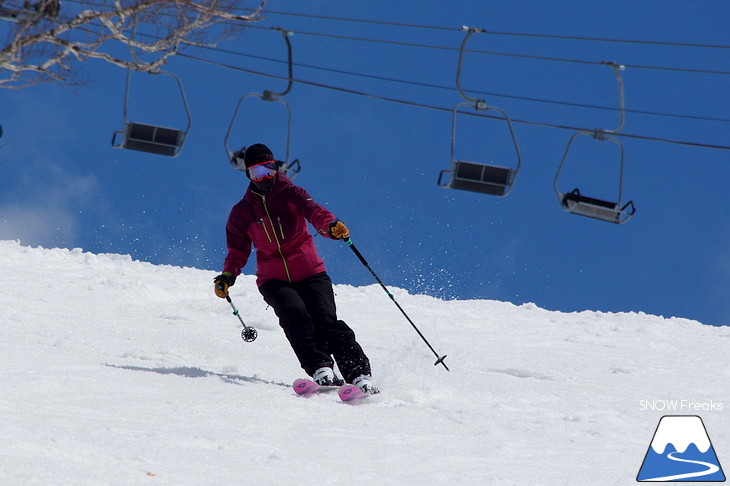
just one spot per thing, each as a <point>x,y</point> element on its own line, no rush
<point>222,282</point>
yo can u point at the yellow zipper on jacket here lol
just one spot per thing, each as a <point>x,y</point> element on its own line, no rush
<point>281,227</point>
<point>276,238</point>
<point>263,225</point>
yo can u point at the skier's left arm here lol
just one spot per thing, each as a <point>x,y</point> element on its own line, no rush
<point>323,220</point>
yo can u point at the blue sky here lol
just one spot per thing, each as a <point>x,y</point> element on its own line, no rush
<point>375,163</point>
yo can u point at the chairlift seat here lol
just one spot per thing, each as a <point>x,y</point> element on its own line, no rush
<point>482,178</point>
<point>576,203</point>
<point>151,139</point>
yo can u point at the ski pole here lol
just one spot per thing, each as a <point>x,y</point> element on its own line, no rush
<point>248,333</point>
<point>439,359</point>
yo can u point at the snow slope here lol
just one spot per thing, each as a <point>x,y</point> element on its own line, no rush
<point>118,372</point>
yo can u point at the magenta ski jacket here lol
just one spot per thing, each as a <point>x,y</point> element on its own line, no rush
<point>276,224</point>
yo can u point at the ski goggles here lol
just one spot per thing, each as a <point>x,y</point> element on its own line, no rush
<point>264,170</point>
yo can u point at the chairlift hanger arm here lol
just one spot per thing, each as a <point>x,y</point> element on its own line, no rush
<point>269,95</point>
<point>478,104</point>
<point>617,68</point>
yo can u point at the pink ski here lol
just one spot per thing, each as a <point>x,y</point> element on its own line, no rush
<point>304,386</point>
<point>351,393</point>
<point>347,393</point>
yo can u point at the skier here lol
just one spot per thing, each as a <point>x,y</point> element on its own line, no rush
<point>291,276</point>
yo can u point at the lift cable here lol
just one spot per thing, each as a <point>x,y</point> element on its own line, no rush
<point>502,33</point>
<point>496,53</point>
<point>439,108</point>
<point>458,29</point>
<point>451,88</point>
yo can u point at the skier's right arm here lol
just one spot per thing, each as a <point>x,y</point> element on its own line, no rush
<point>239,249</point>
<point>221,284</point>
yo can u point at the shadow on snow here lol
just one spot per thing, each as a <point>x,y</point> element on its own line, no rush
<point>193,372</point>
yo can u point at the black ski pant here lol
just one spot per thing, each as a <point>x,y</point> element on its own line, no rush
<point>307,313</point>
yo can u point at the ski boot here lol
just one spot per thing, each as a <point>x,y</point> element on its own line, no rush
<point>325,376</point>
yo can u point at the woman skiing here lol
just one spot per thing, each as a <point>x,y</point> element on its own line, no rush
<point>272,216</point>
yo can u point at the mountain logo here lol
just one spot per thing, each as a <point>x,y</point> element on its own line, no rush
<point>680,451</point>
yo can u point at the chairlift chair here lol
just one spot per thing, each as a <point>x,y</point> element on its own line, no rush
<point>150,138</point>
<point>575,201</point>
<point>475,176</point>
<point>284,165</point>
<point>290,168</point>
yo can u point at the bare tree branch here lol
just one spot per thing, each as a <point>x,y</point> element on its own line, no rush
<point>46,40</point>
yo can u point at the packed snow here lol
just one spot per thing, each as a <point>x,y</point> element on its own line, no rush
<point>120,372</point>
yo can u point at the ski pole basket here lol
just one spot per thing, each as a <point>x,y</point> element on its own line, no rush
<point>149,138</point>
<point>575,201</point>
<point>476,176</point>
